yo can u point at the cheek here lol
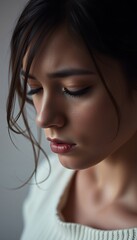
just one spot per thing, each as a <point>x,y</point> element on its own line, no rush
<point>96,121</point>
<point>37,104</point>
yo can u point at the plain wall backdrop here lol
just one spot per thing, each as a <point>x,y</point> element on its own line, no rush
<point>15,164</point>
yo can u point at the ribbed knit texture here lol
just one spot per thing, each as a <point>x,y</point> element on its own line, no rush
<point>42,220</point>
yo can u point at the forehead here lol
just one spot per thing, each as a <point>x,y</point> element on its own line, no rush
<point>59,50</point>
<point>64,50</point>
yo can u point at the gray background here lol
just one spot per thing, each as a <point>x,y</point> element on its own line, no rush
<point>15,164</point>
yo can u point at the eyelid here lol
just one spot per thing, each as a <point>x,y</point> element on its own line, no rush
<point>33,84</point>
<point>77,93</point>
<point>33,91</point>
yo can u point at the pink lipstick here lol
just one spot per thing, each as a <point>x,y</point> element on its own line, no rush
<point>60,147</point>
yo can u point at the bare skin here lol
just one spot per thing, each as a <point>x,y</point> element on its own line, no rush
<point>103,192</point>
<point>99,207</point>
<point>104,196</point>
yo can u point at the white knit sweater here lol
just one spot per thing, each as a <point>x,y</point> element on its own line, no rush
<point>42,220</point>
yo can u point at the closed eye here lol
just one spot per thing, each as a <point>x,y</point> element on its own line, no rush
<point>66,91</point>
<point>77,93</point>
<point>34,91</point>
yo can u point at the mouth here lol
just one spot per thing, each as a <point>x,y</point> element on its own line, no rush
<point>60,147</point>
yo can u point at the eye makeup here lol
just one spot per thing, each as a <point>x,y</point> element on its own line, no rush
<point>34,91</point>
<point>77,93</point>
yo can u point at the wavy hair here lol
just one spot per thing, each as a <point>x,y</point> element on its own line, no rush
<point>108,27</point>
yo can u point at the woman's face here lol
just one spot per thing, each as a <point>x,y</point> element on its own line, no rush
<point>73,106</point>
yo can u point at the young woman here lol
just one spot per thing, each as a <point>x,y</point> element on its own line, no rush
<point>76,62</point>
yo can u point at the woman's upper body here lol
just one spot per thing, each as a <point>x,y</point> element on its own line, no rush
<point>75,62</point>
<point>44,212</point>
<point>106,179</point>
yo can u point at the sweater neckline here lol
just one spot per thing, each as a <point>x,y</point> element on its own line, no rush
<point>93,233</point>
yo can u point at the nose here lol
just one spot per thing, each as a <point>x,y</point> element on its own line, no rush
<point>50,113</point>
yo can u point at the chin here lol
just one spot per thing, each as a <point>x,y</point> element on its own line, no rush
<point>74,163</point>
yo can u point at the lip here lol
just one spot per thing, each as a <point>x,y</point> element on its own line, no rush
<point>60,147</point>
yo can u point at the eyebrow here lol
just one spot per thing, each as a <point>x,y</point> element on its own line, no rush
<point>62,73</point>
<point>69,72</point>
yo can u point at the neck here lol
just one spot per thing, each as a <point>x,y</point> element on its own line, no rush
<point>112,179</point>
<point>116,175</point>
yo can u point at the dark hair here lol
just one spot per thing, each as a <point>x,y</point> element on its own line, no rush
<point>106,26</point>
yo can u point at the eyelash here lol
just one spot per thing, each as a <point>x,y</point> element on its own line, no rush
<point>34,91</point>
<point>77,93</point>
